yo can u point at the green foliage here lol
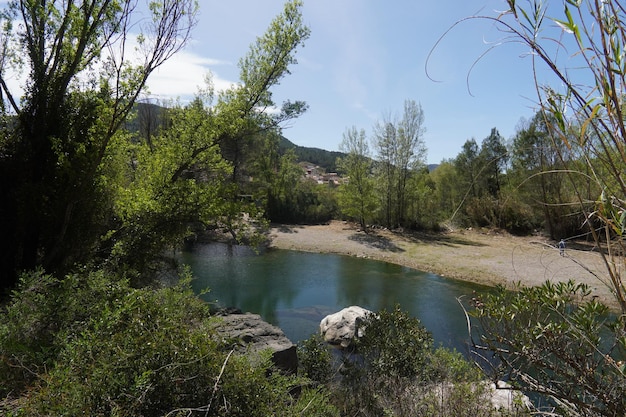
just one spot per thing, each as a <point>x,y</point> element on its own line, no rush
<point>400,150</point>
<point>557,341</point>
<point>423,209</point>
<point>395,344</point>
<point>43,314</point>
<point>80,191</point>
<point>287,196</point>
<point>396,371</point>
<point>516,215</point>
<point>95,346</point>
<point>57,207</point>
<point>315,360</point>
<point>244,109</point>
<point>175,182</point>
<point>447,196</point>
<point>447,365</point>
<point>584,114</point>
<point>494,155</point>
<point>133,359</point>
<point>356,197</point>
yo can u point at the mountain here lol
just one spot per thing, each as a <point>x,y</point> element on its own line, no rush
<point>323,158</point>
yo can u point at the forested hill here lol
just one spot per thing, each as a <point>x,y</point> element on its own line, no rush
<point>323,158</point>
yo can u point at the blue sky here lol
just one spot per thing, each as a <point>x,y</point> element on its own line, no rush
<point>363,60</point>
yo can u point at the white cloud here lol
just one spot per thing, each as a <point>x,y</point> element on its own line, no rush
<point>184,74</point>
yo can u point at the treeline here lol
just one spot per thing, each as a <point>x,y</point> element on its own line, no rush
<point>522,184</point>
<point>519,184</point>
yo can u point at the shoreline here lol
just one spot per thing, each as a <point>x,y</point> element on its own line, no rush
<point>485,257</point>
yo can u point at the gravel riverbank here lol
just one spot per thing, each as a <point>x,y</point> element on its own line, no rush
<point>482,256</point>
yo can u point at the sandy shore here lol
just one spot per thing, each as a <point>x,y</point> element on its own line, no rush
<point>485,257</point>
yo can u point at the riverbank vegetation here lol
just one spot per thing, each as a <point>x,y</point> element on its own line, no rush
<point>96,184</point>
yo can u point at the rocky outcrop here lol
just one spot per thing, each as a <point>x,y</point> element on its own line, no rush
<point>251,335</point>
<point>340,329</point>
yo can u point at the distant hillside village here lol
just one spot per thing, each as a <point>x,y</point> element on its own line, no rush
<point>320,176</point>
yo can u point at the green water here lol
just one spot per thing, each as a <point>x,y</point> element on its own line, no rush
<point>295,290</point>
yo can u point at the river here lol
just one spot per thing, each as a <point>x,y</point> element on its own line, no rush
<point>295,290</point>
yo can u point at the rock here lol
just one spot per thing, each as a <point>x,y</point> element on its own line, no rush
<point>505,398</point>
<point>340,329</point>
<point>254,335</point>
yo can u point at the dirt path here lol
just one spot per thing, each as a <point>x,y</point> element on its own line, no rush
<point>482,257</point>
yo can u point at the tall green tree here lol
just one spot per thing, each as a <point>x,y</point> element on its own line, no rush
<point>448,194</point>
<point>176,181</point>
<point>422,204</point>
<point>401,150</point>
<point>411,152</point>
<point>186,179</point>
<point>385,142</point>
<point>536,167</point>
<point>249,109</point>
<point>283,188</point>
<point>80,87</point>
<point>468,166</point>
<point>356,197</point>
<point>494,156</point>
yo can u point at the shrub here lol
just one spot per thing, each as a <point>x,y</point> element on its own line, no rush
<point>120,351</point>
<point>43,314</point>
<point>396,371</point>
<point>315,359</point>
<point>548,336</point>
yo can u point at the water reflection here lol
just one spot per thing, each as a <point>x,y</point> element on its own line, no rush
<point>295,290</point>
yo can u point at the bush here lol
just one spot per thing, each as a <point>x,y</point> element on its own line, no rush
<point>131,352</point>
<point>396,371</point>
<point>548,336</point>
<point>43,314</point>
<point>315,360</point>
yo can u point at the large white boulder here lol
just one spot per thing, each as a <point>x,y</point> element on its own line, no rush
<point>340,329</point>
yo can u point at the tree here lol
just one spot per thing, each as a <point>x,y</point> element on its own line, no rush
<point>411,151</point>
<point>185,180</point>
<point>423,210</point>
<point>536,167</point>
<point>467,164</point>
<point>448,193</point>
<point>283,189</point>
<point>494,155</point>
<point>248,109</point>
<point>385,141</point>
<point>81,86</point>
<point>176,181</point>
<point>356,197</point>
<point>401,150</point>
<point>87,188</point>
